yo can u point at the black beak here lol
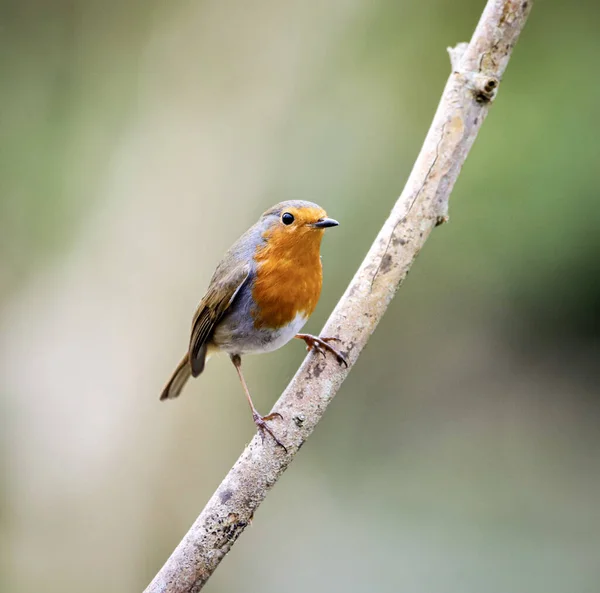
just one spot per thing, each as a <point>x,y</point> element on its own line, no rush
<point>325,223</point>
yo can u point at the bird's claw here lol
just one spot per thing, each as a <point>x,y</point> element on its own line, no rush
<point>322,346</point>
<point>261,424</point>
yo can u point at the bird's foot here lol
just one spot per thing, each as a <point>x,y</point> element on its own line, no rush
<point>323,346</point>
<point>261,424</point>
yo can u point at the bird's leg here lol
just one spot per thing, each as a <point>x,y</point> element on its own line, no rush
<point>260,421</point>
<point>322,345</point>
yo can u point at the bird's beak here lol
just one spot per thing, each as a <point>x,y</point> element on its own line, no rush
<point>325,223</point>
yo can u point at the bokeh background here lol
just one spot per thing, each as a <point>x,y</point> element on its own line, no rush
<point>139,139</point>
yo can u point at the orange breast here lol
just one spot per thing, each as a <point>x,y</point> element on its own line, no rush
<point>288,277</point>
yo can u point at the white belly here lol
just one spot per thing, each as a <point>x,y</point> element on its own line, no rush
<point>282,336</point>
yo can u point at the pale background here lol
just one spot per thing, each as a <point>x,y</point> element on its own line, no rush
<point>139,139</point>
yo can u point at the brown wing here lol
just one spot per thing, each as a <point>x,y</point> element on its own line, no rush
<point>220,294</point>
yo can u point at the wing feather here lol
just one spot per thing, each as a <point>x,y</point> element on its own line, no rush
<point>220,294</point>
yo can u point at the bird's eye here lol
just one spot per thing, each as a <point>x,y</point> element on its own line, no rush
<point>287,218</point>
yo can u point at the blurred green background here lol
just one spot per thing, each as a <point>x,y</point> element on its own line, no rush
<point>139,139</point>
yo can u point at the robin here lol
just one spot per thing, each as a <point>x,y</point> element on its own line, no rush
<point>260,296</point>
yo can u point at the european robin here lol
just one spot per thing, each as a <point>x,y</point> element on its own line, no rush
<point>261,294</point>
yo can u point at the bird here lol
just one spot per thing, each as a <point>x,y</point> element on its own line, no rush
<point>260,296</point>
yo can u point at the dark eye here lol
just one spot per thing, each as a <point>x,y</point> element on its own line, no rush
<point>287,218</point>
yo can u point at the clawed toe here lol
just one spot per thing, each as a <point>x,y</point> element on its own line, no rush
<point>322,346</point>
<point>341,359</point>
<point>261,424</point>
<point>316,347</point>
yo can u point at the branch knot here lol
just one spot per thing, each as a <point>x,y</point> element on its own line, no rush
<point>483,87</point>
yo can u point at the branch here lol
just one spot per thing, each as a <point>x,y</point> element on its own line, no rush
<point>477,70</point>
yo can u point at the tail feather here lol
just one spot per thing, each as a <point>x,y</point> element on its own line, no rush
<point>178,380</point>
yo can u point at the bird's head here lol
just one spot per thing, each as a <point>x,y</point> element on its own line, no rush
<point>296,224</point>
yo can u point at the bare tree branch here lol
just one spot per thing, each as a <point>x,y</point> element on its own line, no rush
<point>477,70</point>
